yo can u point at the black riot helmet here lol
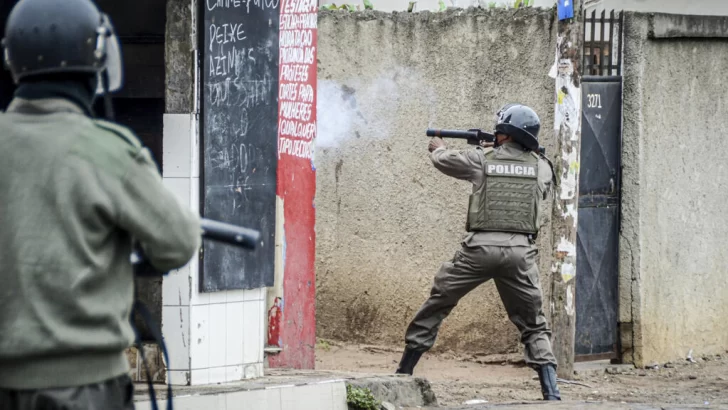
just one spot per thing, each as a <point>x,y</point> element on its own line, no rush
<point>51,37</point>
<point>520,123</point>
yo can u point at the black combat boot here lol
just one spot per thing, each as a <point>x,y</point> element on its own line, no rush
<point>547,376</point>
<point>409,361</point>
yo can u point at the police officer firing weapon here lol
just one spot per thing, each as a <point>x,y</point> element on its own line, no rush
<point>77,193</point>
<point>510,179</point>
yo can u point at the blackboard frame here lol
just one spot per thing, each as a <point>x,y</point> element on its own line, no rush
<point>267,276</point>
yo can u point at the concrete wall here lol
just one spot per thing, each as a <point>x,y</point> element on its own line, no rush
<point>386,218</point>
<point>429,5</point>
<point>698,7</point>
<point>674,260</point>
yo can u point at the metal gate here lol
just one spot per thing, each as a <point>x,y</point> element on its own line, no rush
<point>597,332</point>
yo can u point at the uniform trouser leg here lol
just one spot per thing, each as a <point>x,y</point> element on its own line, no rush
<point>520,290</point>
<point>455,279</point>
<point>114,394</point>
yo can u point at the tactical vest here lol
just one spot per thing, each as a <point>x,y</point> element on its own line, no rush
<point>508,199</point>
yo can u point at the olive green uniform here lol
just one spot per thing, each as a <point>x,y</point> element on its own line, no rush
<point>510,259</point>
<point>75,194</point>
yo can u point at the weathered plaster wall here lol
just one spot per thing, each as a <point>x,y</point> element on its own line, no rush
<point>179,56</point>
<point>386,218</point>
<point>699,7</point>
<point>674,258</point>
<point>434,5</point>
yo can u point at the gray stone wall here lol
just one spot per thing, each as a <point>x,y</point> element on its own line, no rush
<point>674,263</point>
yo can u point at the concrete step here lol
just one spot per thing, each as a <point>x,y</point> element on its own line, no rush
<point>292,390</point>
<point>401,391</point>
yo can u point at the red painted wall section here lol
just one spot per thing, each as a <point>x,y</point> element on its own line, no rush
<point>292,320</point>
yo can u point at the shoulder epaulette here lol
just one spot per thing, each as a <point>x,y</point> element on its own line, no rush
<point>121,131</point>
<point>485,151</point>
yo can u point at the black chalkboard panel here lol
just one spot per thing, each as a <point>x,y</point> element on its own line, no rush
<point>239,132</point>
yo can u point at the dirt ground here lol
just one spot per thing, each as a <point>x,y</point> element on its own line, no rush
<point>499,379</point>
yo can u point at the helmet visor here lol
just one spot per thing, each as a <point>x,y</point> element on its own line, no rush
<point>112,66</point>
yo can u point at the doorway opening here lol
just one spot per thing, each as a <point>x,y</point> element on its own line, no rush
<point>597,281</point>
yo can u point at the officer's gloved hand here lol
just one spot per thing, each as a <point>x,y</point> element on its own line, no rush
<point>141,264</point>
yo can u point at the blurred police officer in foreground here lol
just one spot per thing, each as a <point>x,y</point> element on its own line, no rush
<point>509,183</point>
<point>76,193</point>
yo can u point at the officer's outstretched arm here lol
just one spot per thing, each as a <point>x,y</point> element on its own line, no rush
<point>460,164</point>
<point>169,233</point>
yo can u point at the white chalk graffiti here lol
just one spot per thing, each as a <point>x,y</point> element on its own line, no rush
<point>246,93</point>
<point>229,4</point>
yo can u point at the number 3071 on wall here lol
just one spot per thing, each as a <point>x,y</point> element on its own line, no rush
<point>594,101</point>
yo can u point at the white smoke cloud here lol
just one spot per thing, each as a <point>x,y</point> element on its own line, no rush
<point>335,116</point>
<point>367,108</point>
